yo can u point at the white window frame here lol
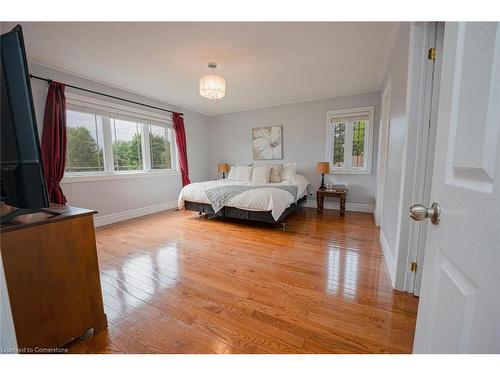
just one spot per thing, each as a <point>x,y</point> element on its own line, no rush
<point>368,147</point>
<point>173,149</point>
<point>147,118</point>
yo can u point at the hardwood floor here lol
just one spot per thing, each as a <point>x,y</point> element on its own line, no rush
<point>175,284</point>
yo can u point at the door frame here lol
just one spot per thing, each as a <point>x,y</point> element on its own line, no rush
<point>418,233</point>
<point>383,148</point>
<point>415,179</point>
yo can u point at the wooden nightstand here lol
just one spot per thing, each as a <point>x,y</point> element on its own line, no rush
<point>338,193</point>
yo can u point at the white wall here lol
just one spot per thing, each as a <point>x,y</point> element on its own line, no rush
<point>304,140</point>
<point>8,340</point>
<point>111,198</point>
<point>397,69</point>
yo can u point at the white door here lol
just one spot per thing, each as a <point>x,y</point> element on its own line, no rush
<point>459,310</point>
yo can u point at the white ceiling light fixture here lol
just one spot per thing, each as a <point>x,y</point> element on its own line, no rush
<point>212,86</point>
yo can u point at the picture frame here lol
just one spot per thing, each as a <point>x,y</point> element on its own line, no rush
<point>267,142</point>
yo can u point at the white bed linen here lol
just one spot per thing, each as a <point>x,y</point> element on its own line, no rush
<point>262,199</point>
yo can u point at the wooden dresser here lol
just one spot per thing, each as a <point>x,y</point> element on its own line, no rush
<point>52,277</point>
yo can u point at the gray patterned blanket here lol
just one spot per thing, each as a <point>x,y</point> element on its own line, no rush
<point>219,196</point>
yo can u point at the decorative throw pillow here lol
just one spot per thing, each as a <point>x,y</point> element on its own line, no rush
<point>243,174</point>
<point>288,171</point>
<point>260,174</point>
<point>275,173</point>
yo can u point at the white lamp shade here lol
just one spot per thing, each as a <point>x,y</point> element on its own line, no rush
<point>212,87</point>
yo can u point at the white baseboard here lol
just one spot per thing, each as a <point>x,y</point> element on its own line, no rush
<point>354,207</point>
<point>130,214</point>
<point>389,260</point>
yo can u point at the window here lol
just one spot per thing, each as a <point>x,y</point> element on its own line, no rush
<point>349,140</point>
<point>127,145</point>
<point>338,147</point>
<point>108,139</point>
<point>160,139</point>
<point>84,142</point>
<point>358,143</point>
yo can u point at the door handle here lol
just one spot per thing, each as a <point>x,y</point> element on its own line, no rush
<point>419,212</point>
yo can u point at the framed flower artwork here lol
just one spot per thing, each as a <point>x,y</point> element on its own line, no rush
<point>267,143</point>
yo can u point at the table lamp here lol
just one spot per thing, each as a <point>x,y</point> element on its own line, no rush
<point>322,167</point>
<point>223,168</point>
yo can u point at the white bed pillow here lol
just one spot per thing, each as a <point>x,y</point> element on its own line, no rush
<point>261,174</point>
<point>301,179</point>
<point>275,175</point>
<point>232,170</point>
<point>243,174</point>
<point>288,171</point>
<point>232,173</point>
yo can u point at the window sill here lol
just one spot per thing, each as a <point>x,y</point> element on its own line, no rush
<point>74,178</point>
<point>350,171</point>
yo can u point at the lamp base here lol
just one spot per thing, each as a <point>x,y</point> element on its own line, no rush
<point>322,186</point>
<point>223,175</point>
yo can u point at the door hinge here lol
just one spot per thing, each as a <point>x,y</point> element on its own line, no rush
<point>432,54</point>
<point>413,267</point>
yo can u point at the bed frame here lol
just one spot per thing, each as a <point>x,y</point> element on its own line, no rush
<point>237,213</point>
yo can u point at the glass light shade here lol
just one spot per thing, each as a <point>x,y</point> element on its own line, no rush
<point>212,87</point>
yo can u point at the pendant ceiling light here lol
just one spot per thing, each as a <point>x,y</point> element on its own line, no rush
<point>212,86</point>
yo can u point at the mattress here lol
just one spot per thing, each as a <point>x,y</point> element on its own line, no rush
<point>263,199</point>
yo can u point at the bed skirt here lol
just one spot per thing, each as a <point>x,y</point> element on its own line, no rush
<point>237,213</point>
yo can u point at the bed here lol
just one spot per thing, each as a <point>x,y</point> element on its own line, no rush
<point>269,202</point>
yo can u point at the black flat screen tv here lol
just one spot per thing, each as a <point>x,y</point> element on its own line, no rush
<point>21,170</point>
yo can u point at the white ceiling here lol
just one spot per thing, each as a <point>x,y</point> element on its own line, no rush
<point>264,64</point>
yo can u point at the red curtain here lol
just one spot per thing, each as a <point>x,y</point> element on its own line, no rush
<point>180,140</point>
<point>54,141</point>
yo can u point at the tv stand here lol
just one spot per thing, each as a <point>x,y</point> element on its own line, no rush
<point>52,275</point>
<point>25,211</point>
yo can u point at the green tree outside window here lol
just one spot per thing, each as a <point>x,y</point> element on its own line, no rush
<point>84,154</point>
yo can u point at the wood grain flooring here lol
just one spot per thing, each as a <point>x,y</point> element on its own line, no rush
<point>175,284</point>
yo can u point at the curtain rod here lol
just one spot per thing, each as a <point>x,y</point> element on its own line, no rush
<point>107,95</point>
